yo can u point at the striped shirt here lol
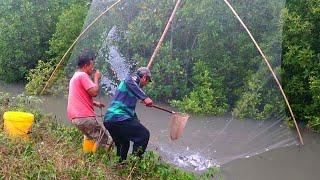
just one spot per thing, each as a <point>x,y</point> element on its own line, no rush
<point>123,104</point>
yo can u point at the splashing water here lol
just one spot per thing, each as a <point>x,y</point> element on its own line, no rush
<point>116,61</point>
<point>214,141</point>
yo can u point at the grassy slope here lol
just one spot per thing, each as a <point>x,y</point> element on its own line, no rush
<point>54,152</point>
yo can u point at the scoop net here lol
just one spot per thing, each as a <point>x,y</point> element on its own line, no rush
<point>177,123</point>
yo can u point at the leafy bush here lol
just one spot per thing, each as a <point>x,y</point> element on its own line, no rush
<point>205,98</point>
<point>38,77</point>
<point>301,66</point>
<point>68,28</point>
<point>25,30</point>
<point>314,123</point>
<point>260,98</point>
<point>314,120</point>
<point>169,78</point>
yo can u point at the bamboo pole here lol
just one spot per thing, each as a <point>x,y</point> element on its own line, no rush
<point>164,34</point>
<point>74,42</point>
<point>269,66</point>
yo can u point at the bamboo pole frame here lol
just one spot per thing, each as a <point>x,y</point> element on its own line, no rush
<point>255,43</point>
<point>164,34</point>
<point>161,41</point>
<point>269,66</point>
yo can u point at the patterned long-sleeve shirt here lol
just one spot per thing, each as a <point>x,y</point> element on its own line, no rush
<point>123,104</point>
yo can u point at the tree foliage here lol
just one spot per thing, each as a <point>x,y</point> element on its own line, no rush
<point>206,97</point>
<point>207,63</point>
<point>204,37</point>
<point>68,27</point>
<point>301,59</point>
<point>25,30</point>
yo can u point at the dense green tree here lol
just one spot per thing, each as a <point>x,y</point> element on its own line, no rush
<point>301,59</point>
<point>68,27</point>
<point>206,57</point>
<point>204,30</point>
<point>26,27</point>
<point>207,97</point>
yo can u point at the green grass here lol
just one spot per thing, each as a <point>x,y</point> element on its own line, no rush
<point>54,152</point>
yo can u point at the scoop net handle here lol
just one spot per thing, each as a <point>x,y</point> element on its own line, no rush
<point>163,109</point>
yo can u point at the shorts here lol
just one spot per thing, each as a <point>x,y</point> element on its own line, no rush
<point>93,129</point>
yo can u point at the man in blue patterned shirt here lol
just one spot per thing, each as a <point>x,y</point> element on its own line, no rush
<point>121,119</point>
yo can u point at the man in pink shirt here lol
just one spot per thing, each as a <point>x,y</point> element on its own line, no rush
<point>81,104</point>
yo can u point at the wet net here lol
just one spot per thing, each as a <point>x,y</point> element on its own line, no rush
<point>207,67</point>
<point>177,125</point>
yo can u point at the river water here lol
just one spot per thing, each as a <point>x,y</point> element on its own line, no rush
<point>203,144</point>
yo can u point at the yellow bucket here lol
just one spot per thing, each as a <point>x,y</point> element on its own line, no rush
<point>18,124</point>
<point>89,145</point>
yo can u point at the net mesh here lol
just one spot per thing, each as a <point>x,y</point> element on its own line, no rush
<point>178,122</point>
<point>206,65</point>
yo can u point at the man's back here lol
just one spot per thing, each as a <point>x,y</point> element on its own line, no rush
<point>123,104</point>
<point>80,103</point>
<point>121,120</point>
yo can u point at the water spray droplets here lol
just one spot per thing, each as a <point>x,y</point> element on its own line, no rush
<point>195,161</point>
